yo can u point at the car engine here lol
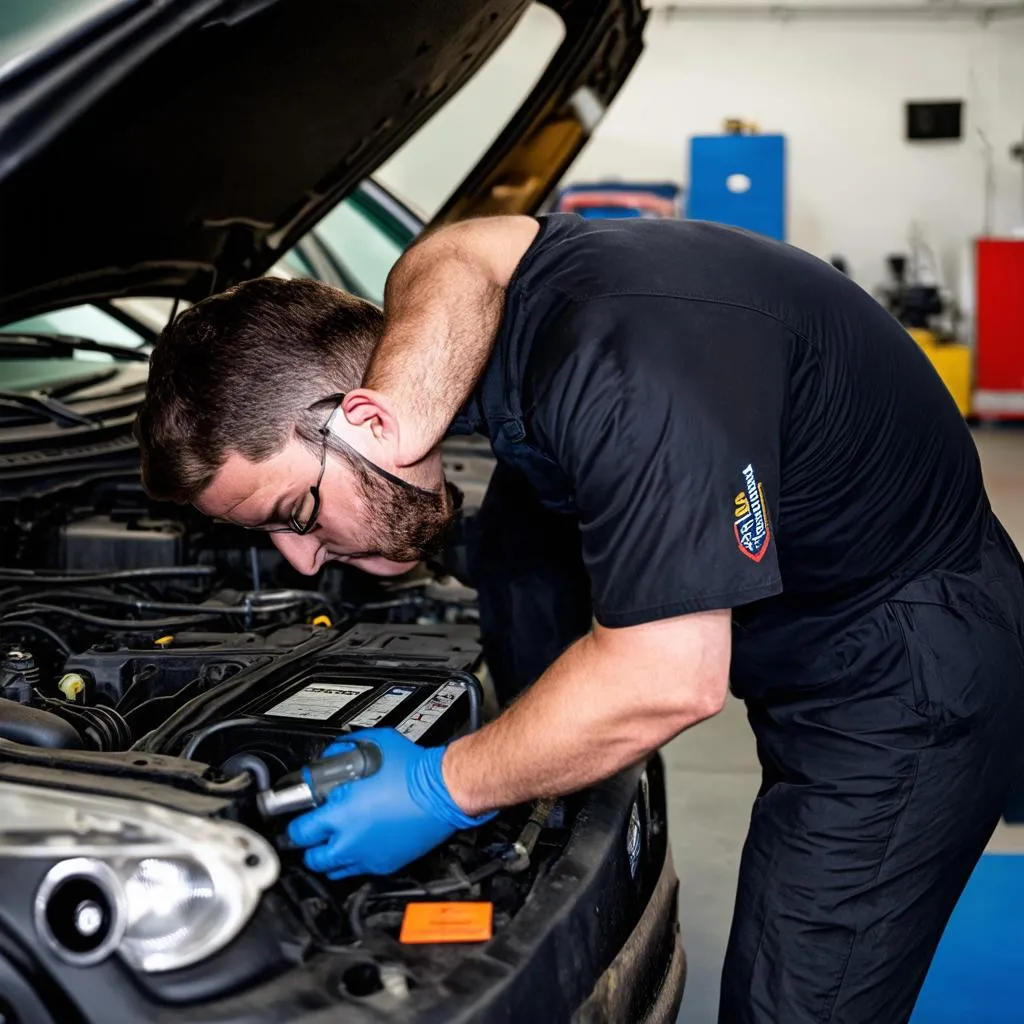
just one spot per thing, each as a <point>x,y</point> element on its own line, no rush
<point>146,649</point>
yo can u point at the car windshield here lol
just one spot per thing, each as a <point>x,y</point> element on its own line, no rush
<point>365,250</point>
<point>356,244</point>
<point>83,337</point>
<point>80,322</point>
<point>353,247</point>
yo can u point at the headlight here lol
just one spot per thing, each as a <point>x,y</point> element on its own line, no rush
<point>163,888</point>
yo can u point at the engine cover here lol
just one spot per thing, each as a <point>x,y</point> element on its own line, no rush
<point>98,542</point>
<point>286,710</point>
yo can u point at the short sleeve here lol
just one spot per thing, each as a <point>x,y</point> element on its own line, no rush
<point>667,418</point>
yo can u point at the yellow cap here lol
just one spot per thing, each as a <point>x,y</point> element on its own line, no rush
<point>322,620</point>
<point>71,685</point>
<point>164,641</point>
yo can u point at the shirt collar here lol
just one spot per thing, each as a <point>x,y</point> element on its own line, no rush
<point>470,418</point>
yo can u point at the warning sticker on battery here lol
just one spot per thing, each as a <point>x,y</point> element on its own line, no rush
<point>417,722</point>
<point>318,700</point>
<point>381,707</point>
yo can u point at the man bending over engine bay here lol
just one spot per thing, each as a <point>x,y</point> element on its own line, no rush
<point>719,462</point>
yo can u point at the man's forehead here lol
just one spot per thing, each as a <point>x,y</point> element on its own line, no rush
<point>240,485</point>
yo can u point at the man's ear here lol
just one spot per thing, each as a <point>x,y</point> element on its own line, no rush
<point>364,407</point>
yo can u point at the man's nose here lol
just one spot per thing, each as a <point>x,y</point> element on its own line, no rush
<point>300,550</point>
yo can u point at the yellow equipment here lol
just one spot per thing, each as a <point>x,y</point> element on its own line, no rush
<point>952,362</point>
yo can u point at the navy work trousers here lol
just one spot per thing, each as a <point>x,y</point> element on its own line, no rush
<point>881,783</point>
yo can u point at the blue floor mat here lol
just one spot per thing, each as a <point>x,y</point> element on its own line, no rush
<point>977,976</point>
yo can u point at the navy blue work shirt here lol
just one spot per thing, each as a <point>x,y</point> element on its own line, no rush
<point>735,424</point>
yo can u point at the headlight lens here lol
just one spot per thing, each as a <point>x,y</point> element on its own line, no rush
<point>172,908</point>
<point>163,888</point>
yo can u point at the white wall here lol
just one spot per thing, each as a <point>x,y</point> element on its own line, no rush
<point>835,87</point>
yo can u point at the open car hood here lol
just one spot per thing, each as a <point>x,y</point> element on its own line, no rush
<point>176,148</point>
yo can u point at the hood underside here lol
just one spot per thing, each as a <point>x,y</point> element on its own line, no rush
<point>179,147</point>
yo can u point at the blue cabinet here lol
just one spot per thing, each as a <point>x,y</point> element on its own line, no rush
<point>739,180</point>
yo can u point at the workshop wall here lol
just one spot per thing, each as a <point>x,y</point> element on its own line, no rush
<point>836,88</point>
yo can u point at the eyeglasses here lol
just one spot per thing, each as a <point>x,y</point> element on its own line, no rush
<point>302,519</point>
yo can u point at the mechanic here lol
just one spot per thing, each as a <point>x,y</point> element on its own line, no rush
<point>719,461</point>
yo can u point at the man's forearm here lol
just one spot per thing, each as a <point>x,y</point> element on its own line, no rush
<point>589,716</point>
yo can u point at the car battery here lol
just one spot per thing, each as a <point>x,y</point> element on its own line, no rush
<point>331,701</point>
<point>415,679</point>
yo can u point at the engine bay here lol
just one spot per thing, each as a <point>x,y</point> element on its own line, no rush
<point>144,649</point>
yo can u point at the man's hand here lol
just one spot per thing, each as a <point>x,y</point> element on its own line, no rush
<point>379,824</point>
<point>609,701</point>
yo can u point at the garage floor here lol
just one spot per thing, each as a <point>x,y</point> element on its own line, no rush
<point>713,776</point>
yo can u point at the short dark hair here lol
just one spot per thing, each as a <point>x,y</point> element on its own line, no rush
<point>238,371</point>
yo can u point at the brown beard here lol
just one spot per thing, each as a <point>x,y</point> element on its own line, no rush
<point>408,525</point>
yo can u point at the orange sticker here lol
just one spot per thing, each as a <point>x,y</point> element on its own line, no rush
<point>447,922</point>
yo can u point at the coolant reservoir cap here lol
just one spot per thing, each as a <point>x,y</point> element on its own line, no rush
<point>71,685</point>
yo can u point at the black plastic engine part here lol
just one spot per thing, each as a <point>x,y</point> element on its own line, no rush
<point>99,542</point>
<point>142,672</point>
<point>411,678</point>
<point>35,727</point>
<point>19,676</point>
<point>287,707</point>
<point>99,727</point>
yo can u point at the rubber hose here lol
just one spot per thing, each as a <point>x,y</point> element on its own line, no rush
<point>36,728</point>
<point>12,575</point>
<point>475,693</point>
<point>208,730</point>
<point>64,646</point>
<point>246,762</point>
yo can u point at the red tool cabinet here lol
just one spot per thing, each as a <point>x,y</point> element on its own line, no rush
<point>999,339</point>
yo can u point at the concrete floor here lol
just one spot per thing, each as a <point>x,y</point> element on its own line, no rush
<point>713,776</point>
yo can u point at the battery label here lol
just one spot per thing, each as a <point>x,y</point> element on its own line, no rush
<point>417,722</point>
<point>318,700</point>
<point>381,707</point>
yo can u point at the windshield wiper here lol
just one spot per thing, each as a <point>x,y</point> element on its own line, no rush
<point>64,345</point>
<point>48,408</point>
<point>74,384</point>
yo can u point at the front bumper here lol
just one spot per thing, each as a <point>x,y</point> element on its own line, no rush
<point>644,983</point>
<point>597,940</point>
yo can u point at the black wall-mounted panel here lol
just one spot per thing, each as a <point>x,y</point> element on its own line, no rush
<point>935,120</point>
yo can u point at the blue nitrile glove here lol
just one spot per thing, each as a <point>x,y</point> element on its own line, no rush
<point>379,824</point>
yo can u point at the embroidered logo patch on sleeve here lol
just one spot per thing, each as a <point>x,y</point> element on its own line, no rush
<point>752,529</point>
